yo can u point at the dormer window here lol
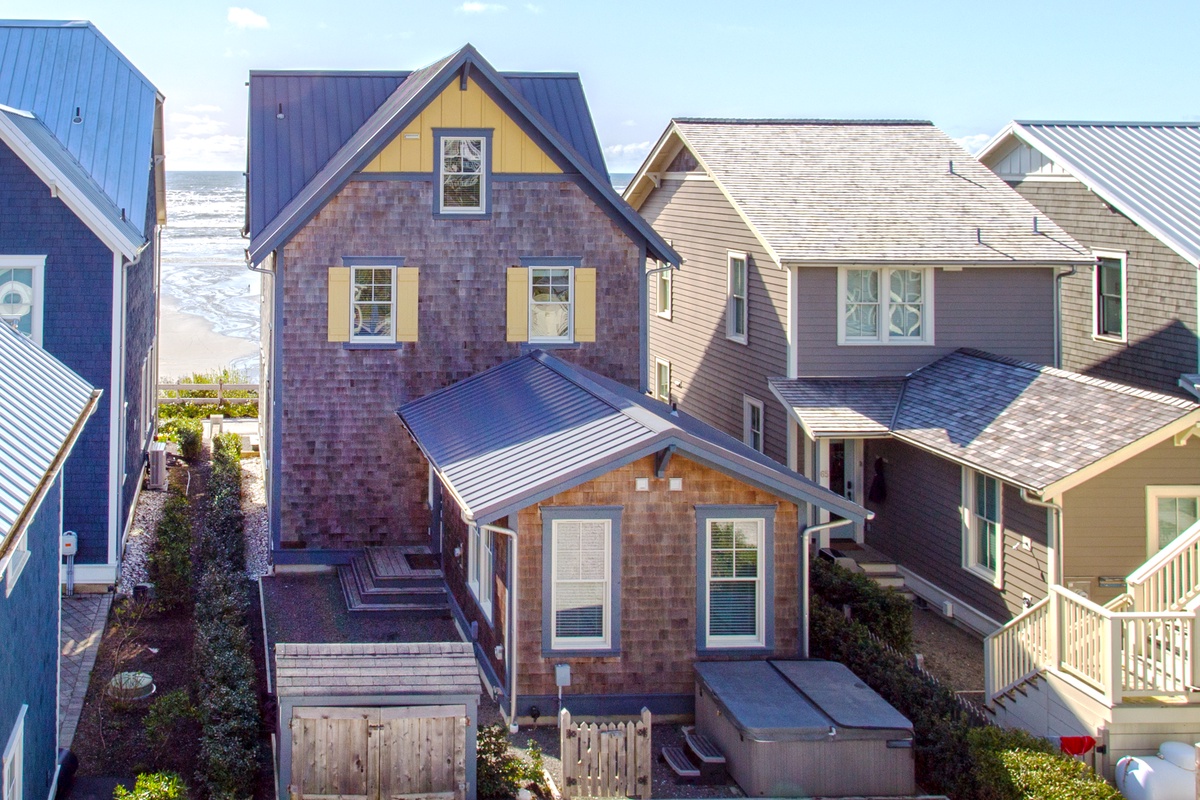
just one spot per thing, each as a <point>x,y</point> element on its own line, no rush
<point>463,167</point>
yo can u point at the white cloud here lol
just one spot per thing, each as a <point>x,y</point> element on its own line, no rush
<point>533,8</point>
<point>245,18</point>
<point>195,125</point>
<point>973,142</point>
<point>474,7</point>
<point>202,109</point>
<point>206,153</point>
<point>625,157</point>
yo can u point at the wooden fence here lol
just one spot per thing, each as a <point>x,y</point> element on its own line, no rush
<point>609,759</point>
<point>220,387</point>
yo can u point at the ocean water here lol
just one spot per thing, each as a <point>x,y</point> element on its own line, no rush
<point>203,254</point>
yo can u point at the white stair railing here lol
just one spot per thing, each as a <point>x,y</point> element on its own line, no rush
<point>1017,651</point>
<point>1169,579</point>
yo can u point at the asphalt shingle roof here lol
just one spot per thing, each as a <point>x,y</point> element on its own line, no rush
<point>1148,171</point>
<point>847,191</point>
<point>846,406</point>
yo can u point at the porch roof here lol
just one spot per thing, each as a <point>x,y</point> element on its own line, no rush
<point>431,668</point>
<point>1032,426</point>
<point>535,426</point>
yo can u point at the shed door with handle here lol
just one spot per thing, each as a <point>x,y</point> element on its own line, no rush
<point>379,753</point>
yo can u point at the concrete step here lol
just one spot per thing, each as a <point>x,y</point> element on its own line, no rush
<point>877,567</point>
<point>891,581</point>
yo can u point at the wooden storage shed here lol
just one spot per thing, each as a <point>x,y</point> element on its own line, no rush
<point>804,729</point>
<point>373,721</point>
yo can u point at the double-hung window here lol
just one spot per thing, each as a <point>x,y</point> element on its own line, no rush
<point>752,422</point>
<point>662,379</point>
<point>479,567</point>
<point>462,161</point>
<point>581,596</point>
<point>663,291</point>
<point>12,773</point>
<point>21,294</point>
<point>1170,510</point>
<point>1109,285</point>
<point>372,304</point>
<point>885,306</point>
<point>550,307</point>
<point>983,525</point>
<point>735,584</point>
<point>737,306</point>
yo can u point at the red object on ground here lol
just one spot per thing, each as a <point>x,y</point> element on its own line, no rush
<point>1076,745</point>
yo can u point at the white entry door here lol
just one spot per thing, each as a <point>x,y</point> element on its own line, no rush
<point>840,470</point>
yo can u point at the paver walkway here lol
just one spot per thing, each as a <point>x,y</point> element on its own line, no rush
<point>83,618</point>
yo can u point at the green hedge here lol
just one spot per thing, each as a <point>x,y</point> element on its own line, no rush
<point>228,710</point>
<point>956,754</point>
<point>169,563</point>
<point>167,411</point>
<point>884,611</point>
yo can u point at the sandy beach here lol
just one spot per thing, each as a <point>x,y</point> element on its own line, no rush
<point>188,343</point>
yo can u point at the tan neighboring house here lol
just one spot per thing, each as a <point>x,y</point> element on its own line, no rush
<point>867,303</point>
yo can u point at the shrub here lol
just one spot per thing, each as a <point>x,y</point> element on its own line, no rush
<point>884,611</point>
<point>165,714</point>
<point>154,786</point>
<point>498,771</point>
<point>198,411</point>
<point>169,563</point>
<point>189,433</point>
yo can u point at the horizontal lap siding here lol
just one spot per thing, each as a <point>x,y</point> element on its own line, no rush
<point>703,227</point>
<point>1161,293</point>
<point>658,581</point>
<point>1104,520</point>
<point>920,526</point>
<point>1007,311</point>
<point>350,475</point>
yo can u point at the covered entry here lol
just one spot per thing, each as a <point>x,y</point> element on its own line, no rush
<point>377,721</point>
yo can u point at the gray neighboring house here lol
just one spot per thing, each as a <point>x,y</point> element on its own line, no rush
<point>1130,192</point>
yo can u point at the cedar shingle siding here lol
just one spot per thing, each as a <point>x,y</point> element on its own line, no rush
<point>1161,294</point>
<point>350,475</point>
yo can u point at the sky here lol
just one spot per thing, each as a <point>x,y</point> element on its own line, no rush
<point>969,67</point>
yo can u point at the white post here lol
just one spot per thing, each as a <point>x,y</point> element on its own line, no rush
<point>989,670</point>
<point>1194,636</point>
<point>1053,624</point>
<point>1111,646</point>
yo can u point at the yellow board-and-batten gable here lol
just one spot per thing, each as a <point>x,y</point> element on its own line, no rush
<point>512,149</point>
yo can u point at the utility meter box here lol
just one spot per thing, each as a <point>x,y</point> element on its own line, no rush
<point>70,543</point>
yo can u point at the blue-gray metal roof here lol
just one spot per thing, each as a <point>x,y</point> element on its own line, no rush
<point>1150,171</point>
<point>61,71</point>
<point>41,402</point>
<point>536,426</point>
<point>298,157</point>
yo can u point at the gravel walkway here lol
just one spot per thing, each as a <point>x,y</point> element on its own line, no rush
<point>953,655</point>
<point>254,508</point>
<point>140,538</point>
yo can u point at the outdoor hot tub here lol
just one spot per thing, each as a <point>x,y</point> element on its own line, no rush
<point>803,728</point>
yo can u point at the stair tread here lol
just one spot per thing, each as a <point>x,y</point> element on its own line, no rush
<point>702,747</point>
<point>355,601</point>
<point>679,762</point>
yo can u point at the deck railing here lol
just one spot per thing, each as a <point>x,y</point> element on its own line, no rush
<point>1170,579</point>
<point>1112,654</point>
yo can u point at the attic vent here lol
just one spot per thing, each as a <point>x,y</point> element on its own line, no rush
<point>279,113</point>
<point>77,119</point>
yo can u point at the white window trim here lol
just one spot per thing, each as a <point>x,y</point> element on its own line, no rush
<point>664,287</point>
<point>13,564</point>
<point>441,173</point>
<point>480,568</point>
<point>38,265</point>
<point>883,338</point>
<point>1115,255</point>
<point>659,363</point>
<point>970,534</point>
<point>360,339</point>
<point>743,337</point>
<point>749,403</point>
<point>716,642</point>
<point>603,642</point>
<point>570,337</point>
<point>14,760</point>
<point>1153,493</point>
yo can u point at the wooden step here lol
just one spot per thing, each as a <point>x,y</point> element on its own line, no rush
<point>890,581</point>
<point>877,567</point>
<point>423,599</point>
<point>371,583</point>
<point>679,763</point>
<point>703,748</point>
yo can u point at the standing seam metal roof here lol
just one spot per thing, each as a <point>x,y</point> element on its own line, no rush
<point>871,191</point>
<point>534,426</point>
<point>53,68</point>
<point>1148,171</point>
<point>41,400</point>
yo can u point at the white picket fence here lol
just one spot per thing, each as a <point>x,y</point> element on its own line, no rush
<point>608,759</point>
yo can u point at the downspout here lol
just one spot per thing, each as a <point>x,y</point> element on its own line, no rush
<point>1058,279</point>
<point>805,554</point>
<point>1055,550</point>
<point>644,325</point>
<point>514,564</point>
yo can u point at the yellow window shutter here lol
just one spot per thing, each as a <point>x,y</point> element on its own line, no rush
<point>338,309</point>
<point>406,304</point>
<point>585,304</point>
<point>518,304</point>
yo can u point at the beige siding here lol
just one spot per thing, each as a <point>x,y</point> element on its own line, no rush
<point>1160,294</point>
<point>715,372</point>
<point>1104,520</point>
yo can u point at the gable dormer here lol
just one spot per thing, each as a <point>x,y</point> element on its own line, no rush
<point>1018,161</point>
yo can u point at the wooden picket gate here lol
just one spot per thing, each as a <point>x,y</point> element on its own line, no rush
<point>609,759</point>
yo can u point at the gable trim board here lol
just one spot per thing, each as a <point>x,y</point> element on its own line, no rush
<point>125,242</point>
<point>401,108</point>
<point>1025,132</point>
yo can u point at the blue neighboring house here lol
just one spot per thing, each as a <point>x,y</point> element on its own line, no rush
<point>43,408</point>
<point>82,192</point>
